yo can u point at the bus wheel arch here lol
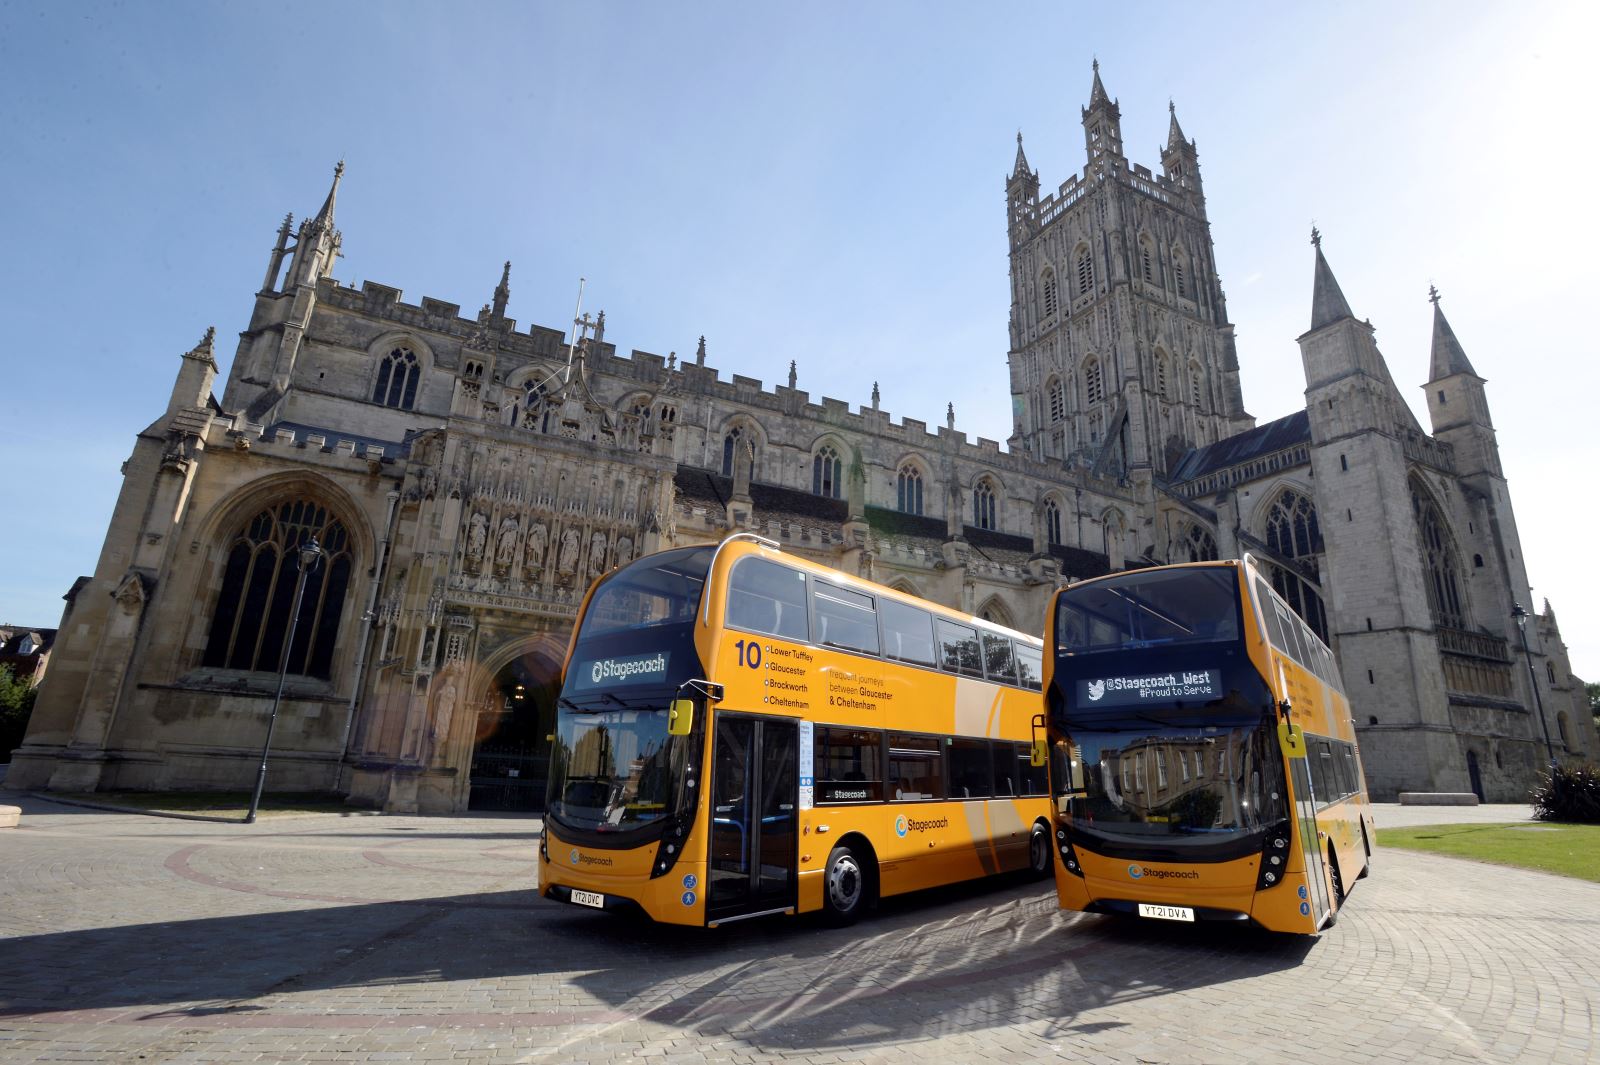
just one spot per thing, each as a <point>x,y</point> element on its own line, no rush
<point>1040,851</point>
<point>1335,876</point>
<point>849,880</point>
<point>1366,846</point>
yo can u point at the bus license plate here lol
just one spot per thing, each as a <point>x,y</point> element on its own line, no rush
<point>593,898</point>
<point>1165,913</point>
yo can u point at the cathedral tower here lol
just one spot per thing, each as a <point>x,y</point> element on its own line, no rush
<point>1121,354</point>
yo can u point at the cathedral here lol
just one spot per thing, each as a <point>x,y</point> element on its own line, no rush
<point>466,479</point>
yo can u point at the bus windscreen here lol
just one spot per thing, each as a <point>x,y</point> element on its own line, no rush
<point>1149,609</point>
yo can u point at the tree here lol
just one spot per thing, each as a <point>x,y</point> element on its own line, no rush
<point>1593,691</point>
<point>16,703</point>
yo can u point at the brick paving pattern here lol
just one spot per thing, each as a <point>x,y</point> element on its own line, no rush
<point>134,938</point>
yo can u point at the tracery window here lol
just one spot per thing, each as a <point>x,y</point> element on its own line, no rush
<point>1052,523</point>
<point>1293,532</point>
<point>1178,279</point>
<point>1058,399</point>
<point>1147,260</point>
<point>397,379</point>
<point>1196,384</point>
<point>1094,385</point>
<point>1047,284</point>
<point>1438,559</point>
<point>1162,375</point>
<point>1085,272</point>
<point>1198,545</point>
<point>983,504</point>
<point>529,410</point>
<point>908,489</point>
<point>737,438</point>
<point>258,581</point>
<point>827,473</point>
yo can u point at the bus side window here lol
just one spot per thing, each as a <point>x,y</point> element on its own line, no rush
<point>849,765</point>
<point>1007,779</point>
<point>845,618</point>
<point>907,632</point>
<point>958,648</point>
<point>998,661</point>
<point>1030,665</point>
<point>970,769</point>
<point>766,597</point>
<point>916,767</point>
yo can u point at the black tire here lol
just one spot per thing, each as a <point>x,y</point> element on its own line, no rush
<point>1366,846</point>
<point>1039,853</point>
<point>844,886</point>
<point>1338,881</point>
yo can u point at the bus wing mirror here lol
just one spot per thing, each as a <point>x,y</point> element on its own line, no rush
<point>680,717</point>
<point>1038,753</point>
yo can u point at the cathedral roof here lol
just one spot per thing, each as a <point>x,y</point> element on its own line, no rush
<point>1262,440</point>
<point>1327,300</point>
<point>1448,358</point>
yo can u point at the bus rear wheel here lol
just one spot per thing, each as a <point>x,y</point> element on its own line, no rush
<point>1039,853</point>
<point>844,890</point>
<point>1338,881</point>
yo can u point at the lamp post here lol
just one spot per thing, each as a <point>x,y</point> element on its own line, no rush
<point>1521,617</point>
<point>310,554</point>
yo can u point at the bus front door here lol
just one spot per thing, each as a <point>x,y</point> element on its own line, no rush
<point>1305,801</point>
<point>755,791</point>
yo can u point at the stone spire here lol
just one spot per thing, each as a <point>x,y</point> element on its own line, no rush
<point>950,415</point>
<point>793,376</point>
<point>1102,126</point>
<point>502,293</point>
<point>700,352</point>
<point>1020,168</point>
<point>1097,92</point>
<point>324,218</point>
<point>1175,137</point>
<point>874,395</point>
<point>1328,304</point>
<point>1448,357</point>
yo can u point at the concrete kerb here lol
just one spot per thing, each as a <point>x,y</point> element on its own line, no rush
<point>112,808</point>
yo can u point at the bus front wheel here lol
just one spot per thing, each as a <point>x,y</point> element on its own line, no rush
<point>1039,852</point>
<point>844,890</point>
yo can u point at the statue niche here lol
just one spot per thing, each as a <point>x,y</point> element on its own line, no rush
<point>568,564</point>
<point>533,557</point>
<point>506,545</point>
<point>597,555</point>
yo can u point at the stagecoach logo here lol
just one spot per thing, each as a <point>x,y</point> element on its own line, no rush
<point>903,824</point>
<point>1125,691</point>
<point>578,857</point>
<point>1139,872</point>
<point>636,669</point>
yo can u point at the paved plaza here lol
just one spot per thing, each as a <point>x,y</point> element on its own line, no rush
<point>354,939</point>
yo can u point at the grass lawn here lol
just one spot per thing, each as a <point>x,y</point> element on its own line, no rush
<point>1570,850</point>
<point>233,804</point>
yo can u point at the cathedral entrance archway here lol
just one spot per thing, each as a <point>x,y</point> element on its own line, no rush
<point>515,721</point>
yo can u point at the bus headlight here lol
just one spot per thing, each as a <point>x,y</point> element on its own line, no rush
<point>1274,856</point>
<point>1069,857</point>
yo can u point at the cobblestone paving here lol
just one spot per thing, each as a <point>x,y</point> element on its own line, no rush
<point>133,938</point>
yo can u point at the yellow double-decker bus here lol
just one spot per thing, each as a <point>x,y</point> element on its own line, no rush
<point>1204,764</point>
<point>741,732</point>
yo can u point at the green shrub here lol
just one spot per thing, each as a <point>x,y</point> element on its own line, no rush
<point>16,704</point>
<point>1569,794</point>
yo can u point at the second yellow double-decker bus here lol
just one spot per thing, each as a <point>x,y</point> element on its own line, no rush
<point>742,732</point>
<point>1204,763</point>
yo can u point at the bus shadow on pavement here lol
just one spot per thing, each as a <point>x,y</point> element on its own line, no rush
<point>960,959</point>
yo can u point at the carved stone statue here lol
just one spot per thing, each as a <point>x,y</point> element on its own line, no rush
<point>597,554</point>
<point>569,552</point>
<point>477,534</point>
<point>444,706</point>
<point>534,559</point>
<point>624,551</point>
<point>506,546</point>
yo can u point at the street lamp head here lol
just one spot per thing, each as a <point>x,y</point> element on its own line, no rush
<point>310,555</point>
<point>1519,615</point>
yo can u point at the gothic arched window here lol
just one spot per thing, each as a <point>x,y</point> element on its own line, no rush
<point>1147,255</point>
<point>252,615</point>
<point>1047,285</point>
<point>1085,272</point>
<point>735,437</point>
<point>527,412</point>
<point>1178,279</point>
<point>1197,385</point>
<point>983,504</point>
<point>908,490</point>
<point>1163,375</point>
<point>1198,545</point>
<point>1052,523</point>
<point>1094,384</point>
<point>1438,560</point>
<point>397,379</point>
<point>1058,399</point>
<point>1293,532</point>
<point>827,472</point>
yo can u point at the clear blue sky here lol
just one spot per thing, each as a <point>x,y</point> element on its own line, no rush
<point>818,182</point>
